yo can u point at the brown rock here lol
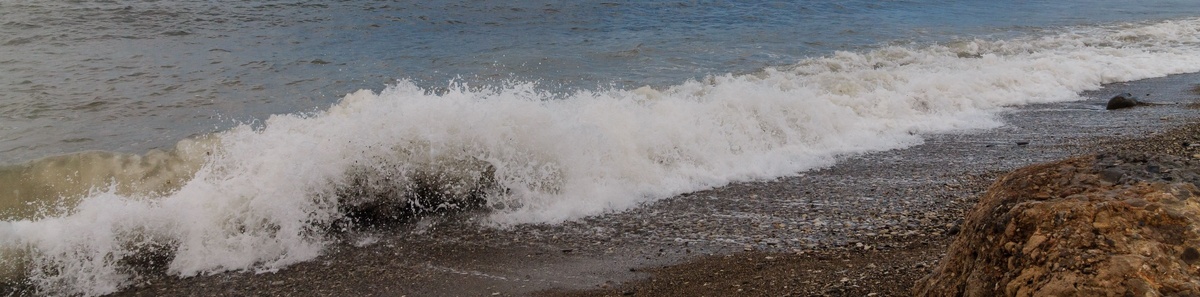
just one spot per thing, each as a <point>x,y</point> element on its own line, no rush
<point>1090,237</point>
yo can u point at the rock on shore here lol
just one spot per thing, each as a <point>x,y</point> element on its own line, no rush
<point>1124,100</point>
<point>1109,225</point>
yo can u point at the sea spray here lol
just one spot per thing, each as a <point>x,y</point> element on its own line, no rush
<point>377,194</point>
<point>273,195</point>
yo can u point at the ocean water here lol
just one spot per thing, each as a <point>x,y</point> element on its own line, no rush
<point>215,136</point>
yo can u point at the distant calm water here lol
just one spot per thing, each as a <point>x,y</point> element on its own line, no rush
<point>133,75</point>
<point>243,135</point>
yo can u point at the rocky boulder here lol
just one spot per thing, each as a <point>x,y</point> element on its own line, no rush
<point>1116,225</point>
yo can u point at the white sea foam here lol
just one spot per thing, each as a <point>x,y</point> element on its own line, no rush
<point>267,197</point>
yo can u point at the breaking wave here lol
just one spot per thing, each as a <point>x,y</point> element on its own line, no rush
<point>264,197</point>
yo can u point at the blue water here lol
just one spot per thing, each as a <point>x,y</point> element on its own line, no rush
<point>134,75</point>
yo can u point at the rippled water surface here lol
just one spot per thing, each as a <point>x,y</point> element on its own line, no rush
<point>134,75</point>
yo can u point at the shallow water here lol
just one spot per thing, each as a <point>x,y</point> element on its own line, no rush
<point>538,113</point>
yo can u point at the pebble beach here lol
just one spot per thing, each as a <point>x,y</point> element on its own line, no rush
<point>869,226</point>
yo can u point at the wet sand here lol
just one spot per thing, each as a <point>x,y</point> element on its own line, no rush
<point>870,224</point>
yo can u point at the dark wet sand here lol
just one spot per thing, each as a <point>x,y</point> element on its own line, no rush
<point>870,224</point>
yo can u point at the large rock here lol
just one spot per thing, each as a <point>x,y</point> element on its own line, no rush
<point>1089,226</point>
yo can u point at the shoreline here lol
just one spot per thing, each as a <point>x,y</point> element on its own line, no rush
<point>891,272</point>
<point>889,214</point>
<point>867,272</point>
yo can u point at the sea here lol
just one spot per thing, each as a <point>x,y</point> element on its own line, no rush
<point>247,135</point>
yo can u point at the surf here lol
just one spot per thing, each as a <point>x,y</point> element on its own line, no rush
<point>262,197</point>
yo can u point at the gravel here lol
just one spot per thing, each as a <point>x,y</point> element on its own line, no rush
<point>868,226</point>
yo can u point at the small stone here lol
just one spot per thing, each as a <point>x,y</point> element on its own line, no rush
<point>1111,175</point>
<point>1136,202</point>
<point>1124,100</point>
<point>1190,255</point>
<point>1033,242</point>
